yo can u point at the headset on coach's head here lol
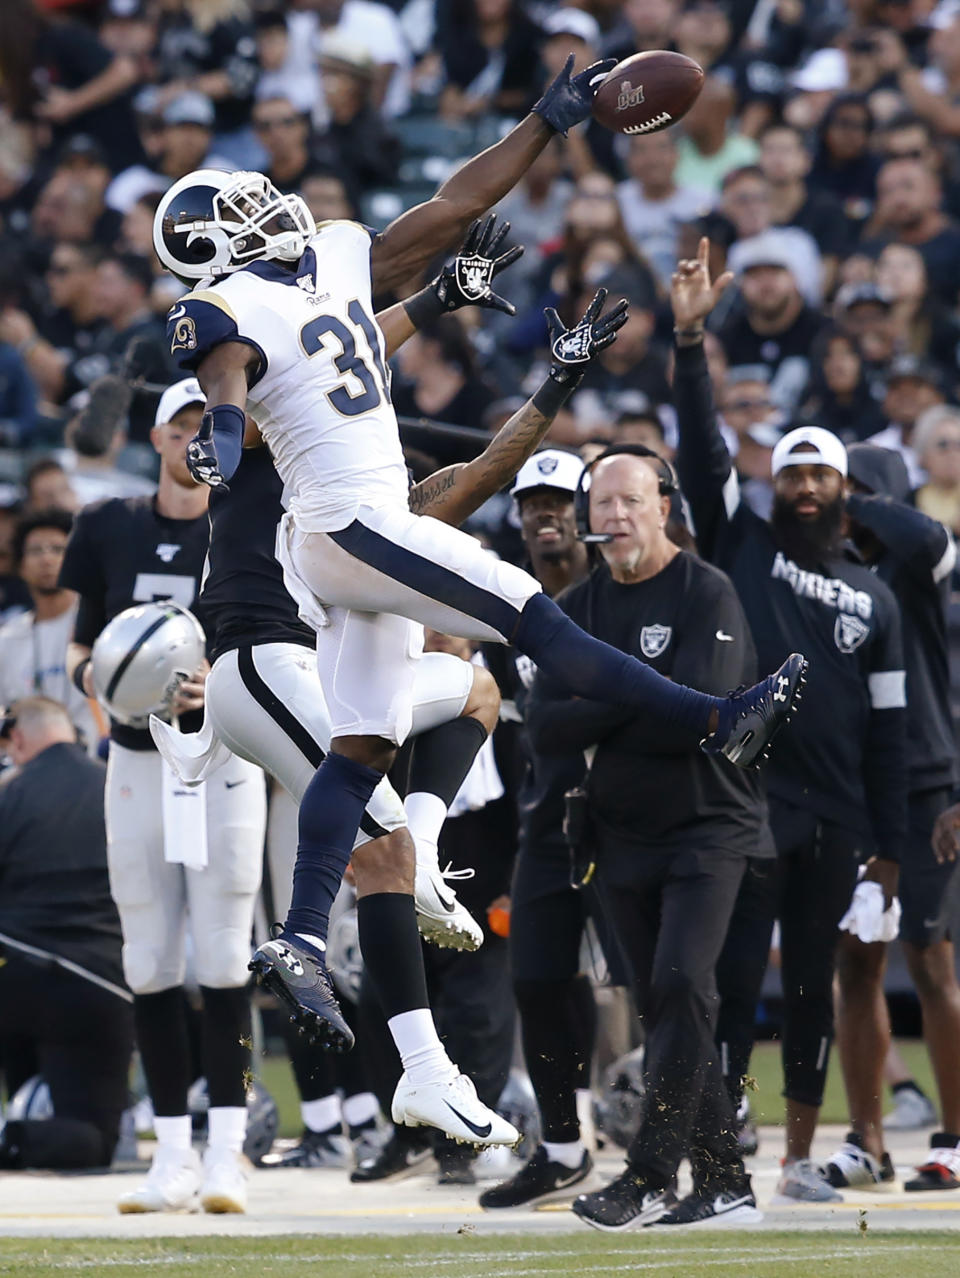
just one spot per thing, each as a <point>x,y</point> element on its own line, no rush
<point>669,484</point>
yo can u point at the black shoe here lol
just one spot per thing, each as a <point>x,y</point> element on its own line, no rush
<point>315,1149</point>
<point>759,712</point>
<point>456,1166</point>
<point>735,1205</point>
<point>294,971</point>
<point>537,1181</point>
<point>626,1202</point>
<point>397,1159</point>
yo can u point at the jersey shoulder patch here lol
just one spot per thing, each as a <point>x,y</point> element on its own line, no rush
<point>200,321</point>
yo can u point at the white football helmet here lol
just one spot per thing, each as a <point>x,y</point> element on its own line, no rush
<point>211,223</point>
<point>142,656</point>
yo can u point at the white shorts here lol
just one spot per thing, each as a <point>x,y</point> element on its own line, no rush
<point>374,578</point>
<point>267,705</point>
<point>157,900</point>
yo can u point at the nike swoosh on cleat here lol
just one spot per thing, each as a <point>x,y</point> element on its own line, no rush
<point>724,638</point>
<point>232,785</point>
<point>482,1132</point>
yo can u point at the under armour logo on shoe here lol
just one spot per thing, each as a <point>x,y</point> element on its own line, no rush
<point>782,684</point>
<point>289,960</point>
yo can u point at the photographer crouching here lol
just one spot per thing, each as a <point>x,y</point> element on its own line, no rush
<point>671,831</point>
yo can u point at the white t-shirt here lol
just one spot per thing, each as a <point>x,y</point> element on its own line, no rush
<point>33,662</point>
<point>654,224</point>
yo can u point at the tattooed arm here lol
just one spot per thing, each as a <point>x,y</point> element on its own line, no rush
<point>452,494</point>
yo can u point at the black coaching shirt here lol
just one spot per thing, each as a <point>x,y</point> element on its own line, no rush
<point>648,790</point>
<point>243,594</point>
<point>123,552</point>
<point>843,756</point>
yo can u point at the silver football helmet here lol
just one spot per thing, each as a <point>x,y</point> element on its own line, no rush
<point>141,658</point>
<point>210,223</point>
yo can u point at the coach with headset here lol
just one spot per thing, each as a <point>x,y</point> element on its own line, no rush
<point>671,831</point>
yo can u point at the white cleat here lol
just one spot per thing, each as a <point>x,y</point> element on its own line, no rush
<point>441,918</point>
<point>172,1184</point>
<point>453,1107</point>
<point>224,1182</point>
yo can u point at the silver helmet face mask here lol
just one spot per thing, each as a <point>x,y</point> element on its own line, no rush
<point>142,657</point>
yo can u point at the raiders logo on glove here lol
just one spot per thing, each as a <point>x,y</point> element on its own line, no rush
<point>572,349</point>
<point>468,279</point>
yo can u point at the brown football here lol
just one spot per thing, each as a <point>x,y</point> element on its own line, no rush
<point>648,92</point>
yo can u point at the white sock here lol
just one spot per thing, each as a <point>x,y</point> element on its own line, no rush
<point>423,1056</point>
<point>568,1153</point>
<point>320,1115</point>
<point>226,1128</point>
<point>312,940</point>
<point>174,1133</point>
<point>426,814</point>
<point>360,1109</point>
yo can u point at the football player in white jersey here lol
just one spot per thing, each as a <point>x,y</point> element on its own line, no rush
<point>285,329</point>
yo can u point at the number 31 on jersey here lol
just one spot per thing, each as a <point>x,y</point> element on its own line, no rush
<point>361,387</point>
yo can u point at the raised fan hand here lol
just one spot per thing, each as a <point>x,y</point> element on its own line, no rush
<point>572,349</point>
<point>202,461</point>
<point>468,279</point>
<point>692,294</point>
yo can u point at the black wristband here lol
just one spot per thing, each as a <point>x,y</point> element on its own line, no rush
<point>553,394</point>
<point>78,676</point>
<point>423,307</point>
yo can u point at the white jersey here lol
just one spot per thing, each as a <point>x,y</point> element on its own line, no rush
<point>321,396</point>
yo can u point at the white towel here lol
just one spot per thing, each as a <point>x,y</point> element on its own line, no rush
<point>184,821</point>
<point>193,756</point>
<point>866,918</point>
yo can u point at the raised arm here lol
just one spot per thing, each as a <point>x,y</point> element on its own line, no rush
<point>417,236</point>
<point>920,543</point>
<point>214,453</point>
<point>452,494</point>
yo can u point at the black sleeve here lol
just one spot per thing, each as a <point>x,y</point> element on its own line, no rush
<point>707,475</point>
<point>885,754</point>
<point>714,653</point>
<point>920,543</point>
<point>77,53</point>
<point>82,571</point>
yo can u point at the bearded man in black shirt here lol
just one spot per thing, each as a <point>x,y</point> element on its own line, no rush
<point>672,831</point>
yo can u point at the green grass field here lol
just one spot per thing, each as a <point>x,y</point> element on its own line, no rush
<point>766,1100</point>
<point>721,1255</point>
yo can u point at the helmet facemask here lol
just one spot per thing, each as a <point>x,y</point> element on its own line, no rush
<point>250,204</point>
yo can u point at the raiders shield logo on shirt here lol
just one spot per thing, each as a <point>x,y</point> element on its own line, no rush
<point>653,640</point>
<point>849,632</point>
<point>473,276</point>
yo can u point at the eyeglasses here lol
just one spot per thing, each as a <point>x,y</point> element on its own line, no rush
<point>53,548</point>
<point>915,153</point>
<point>283,122</point>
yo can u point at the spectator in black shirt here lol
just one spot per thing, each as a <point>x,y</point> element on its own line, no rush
<point>671,833</point>
<point>284,133</point>
<point>865,313</point>
<point>909,200</point>
<point>835,794</point>
<point>489,52</point>
<point>844,165</point>
<point>356,140</point>
<point>64,1008</point>
<point>838,394</point>
<point>440,382</point>
<point>925,326</point>
<point>775,327</point>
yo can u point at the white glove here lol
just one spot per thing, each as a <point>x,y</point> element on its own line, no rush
<point>866,918</point>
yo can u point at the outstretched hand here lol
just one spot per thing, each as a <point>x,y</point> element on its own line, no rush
<point>202,461</point>
<point>692,295</point>
<point>569,99</point>
<point>572,349</point>
<point>468,279</point>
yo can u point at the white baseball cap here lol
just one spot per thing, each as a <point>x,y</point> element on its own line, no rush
<point>178,396</point>
<point>809,446</point>
<point>552,468</point>
<point>572,22</point>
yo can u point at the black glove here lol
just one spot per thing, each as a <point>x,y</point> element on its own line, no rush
<point>202,461</point>
<point>566,102</point>
<point>467,280</point>
<point>572,349</point>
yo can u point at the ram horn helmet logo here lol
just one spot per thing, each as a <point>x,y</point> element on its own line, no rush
<point>629,96</point>
<point>653,639</point>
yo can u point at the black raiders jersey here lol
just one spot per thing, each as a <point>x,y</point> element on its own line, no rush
<point>243,595</point>
<point>122,552</point>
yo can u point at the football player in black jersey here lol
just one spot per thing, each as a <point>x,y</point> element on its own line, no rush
<point>121,552</point>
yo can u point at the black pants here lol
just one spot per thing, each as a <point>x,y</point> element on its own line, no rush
<point>671,911</point>
<point>808,887</point>
<point>80,1038</point>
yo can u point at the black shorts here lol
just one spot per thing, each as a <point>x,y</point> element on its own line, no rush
<point>927,888</point>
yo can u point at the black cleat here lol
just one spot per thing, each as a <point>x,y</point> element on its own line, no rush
<point>625,1203</point>
<point>537,1181</point>
<point>734,1205</point>
<point>401,1156</point>
<point>294,971</point>
<point>759,713</point>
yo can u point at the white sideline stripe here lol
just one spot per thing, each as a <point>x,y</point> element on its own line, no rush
<point>948,562</point>
<point>888,689</point>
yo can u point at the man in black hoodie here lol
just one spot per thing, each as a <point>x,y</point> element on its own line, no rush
<point>914,555</point>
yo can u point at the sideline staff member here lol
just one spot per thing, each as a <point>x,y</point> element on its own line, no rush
<point>64,1009</point>
<point>673,828</point>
